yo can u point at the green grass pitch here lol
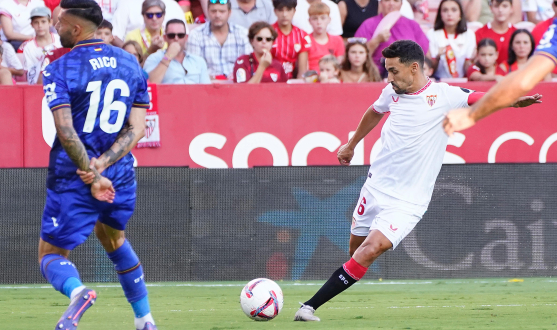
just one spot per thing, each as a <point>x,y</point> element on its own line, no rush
<point>428,304</point>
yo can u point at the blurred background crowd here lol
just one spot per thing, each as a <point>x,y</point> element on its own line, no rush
<point>294,41</point>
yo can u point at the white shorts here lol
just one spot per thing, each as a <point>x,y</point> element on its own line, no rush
<point>393,217</point>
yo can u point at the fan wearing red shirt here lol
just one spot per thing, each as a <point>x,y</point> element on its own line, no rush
<point>486,68</point>
<point>292,44</point>
<point>322,43</point>
<point>500,29</point>
<point>259,66</point>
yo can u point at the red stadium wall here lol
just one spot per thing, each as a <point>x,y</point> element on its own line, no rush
<point>254,125</point>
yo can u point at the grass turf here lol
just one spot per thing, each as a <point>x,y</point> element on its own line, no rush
<point>433,304</point>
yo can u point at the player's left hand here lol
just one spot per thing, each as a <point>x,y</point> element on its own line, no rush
<point>103,190</point>
<point>527,101</point>
<point>458,120</point>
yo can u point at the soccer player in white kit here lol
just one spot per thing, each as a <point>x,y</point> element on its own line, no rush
<point>400,182</point>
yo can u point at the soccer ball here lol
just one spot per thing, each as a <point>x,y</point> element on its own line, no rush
<point>261,299</point>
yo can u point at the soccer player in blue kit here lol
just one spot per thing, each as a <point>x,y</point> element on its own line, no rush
<point>98,97</point>
<point>511,87</point>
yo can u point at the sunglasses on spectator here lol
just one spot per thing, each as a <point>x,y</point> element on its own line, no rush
<point>356,40</point>
<point>174,35</point>
<point>269,39</point>
<point>222,2</point>
<point>151,15</point>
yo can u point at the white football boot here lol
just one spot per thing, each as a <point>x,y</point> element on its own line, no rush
<point>305,313</point>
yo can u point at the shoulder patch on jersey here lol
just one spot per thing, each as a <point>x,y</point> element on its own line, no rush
<point>241,75</point>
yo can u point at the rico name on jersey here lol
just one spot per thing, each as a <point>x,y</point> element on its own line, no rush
<point>100,84</point>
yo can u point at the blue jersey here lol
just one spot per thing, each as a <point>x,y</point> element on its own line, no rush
<point>100,83</point>
<point>548,44</point>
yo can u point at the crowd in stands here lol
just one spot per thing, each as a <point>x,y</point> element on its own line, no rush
<point>278,41</point>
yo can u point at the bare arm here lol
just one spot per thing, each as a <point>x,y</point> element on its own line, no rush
<point>117,42</point>
<point>478,76</point>
<point>257,75</point>
<point>157,75</point>
<point>8,29</point>
<point>16,72</point>
<point>531,16</point>
<point>5,77</point>
<point>472,9</point>
<point>128,137</point>
<point>343,11</point>
<point>302,63</point>
<point>517,12</point>
<point>367,123</point>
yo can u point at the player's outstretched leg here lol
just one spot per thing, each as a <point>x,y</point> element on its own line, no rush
<point>130,273</point>
<point>64,277</point>
<point>348,274</point>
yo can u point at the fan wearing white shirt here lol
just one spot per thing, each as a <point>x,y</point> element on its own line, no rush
<point>15,22</point>
<point>35,50</point>
<point>401,179</point>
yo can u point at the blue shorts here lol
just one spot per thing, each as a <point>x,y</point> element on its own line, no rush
<point>69,217</point>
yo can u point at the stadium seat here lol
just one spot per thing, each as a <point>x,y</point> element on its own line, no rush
<point>525,25</point>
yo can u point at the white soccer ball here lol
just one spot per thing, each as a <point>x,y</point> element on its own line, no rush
<point>261,299</point>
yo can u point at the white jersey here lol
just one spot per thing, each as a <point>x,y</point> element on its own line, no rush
<point>34,55</point>
<point>413,139</point>
<point>464,47</point>
<point>108,8</point>
<point>20,15</point>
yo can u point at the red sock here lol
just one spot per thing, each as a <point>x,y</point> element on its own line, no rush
<point>354,269</point>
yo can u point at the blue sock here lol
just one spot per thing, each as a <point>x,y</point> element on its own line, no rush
<point>61,273</point>
<point>130,274</point>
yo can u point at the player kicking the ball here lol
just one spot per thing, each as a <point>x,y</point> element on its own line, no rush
<point>400,181</point>
<point>98,96</point>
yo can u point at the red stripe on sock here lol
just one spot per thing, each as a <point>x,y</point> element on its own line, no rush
<point>354,269</point>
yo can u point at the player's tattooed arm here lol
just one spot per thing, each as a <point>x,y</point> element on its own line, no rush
<point>70,141</point>
<point>128,137</point>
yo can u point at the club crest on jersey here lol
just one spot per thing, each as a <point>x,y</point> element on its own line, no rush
<point>431,99</point>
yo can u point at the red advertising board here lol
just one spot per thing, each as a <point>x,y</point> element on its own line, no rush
<point>283,125</point>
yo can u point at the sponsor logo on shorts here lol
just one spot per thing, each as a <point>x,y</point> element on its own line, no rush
<point>393,229</point>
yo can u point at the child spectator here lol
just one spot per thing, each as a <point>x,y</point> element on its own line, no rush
<point>44,42</point>
<point>500,29</point>
<point>322,43</point>
<point>259,66</point>
<point>292,44</point>
<point>104,32</point>
<point>486,68</point>
<point>329,68</point>
<point>521,47</point>
<point>451,45</point>
<point>5,74</point>
<point>354,12</point>
<point>134,48</point>
<point>357,66</point>
<point>301,17</point>
<point>150,37</point>
<point>15,20</point>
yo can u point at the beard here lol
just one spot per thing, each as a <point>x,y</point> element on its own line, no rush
<point>66,40</point>
<point>397,89</point>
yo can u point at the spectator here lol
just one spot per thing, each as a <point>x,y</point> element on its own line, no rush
<point>15,20</point>
<point>521,48</point>
<point>108,8</point>
<point>219,42</point>
<point>357,66</point>
<point>451,45</point>
<point>354,12</point>
<point>500,29</point>
<point>174,65</point>
<point>542,27</point>
<point>537,10</point>
<point>329,68</point>
<point>11,61</point>
<point>428,68</point>
<point>247,12</point>
<point>292,44</point>
<point>135,49</point>
<point>301,17</point>
<point>404,28</point>
<point>486,68</point>
<point>259,66</point>
<point>150,37</point>
<point>104,32</point>
<point>127,17</point>
<point>322,43</point>
<point>479,11</point>
<point>51,57</point>
<point>5,74</point>
<point>34,50</point>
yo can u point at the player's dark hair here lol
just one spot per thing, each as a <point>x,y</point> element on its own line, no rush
<point>86,9</point>
<point>498,2</point>
<point>407,52</point>
<point>428,61</point>
<point>512,54</point>
<point>175,21</point>
<point>460,27</point>
<point>258,26</point>
<point>486,42</point>
<point>105,25</point>
<point>290,4</point>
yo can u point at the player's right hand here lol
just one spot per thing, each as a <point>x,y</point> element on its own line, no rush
<point>103,190</point>
<point>345,154</point>
<point>89,177</point>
